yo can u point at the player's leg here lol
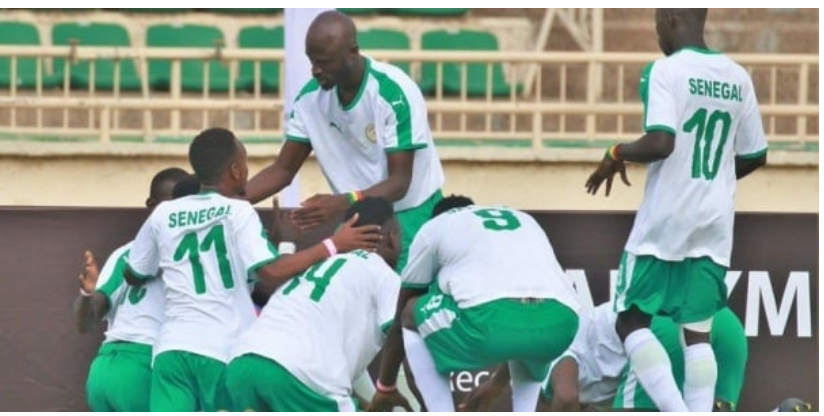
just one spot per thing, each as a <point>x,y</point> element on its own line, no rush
<point>729,342</point>
<point>173,384</point>
<point>645,285</point>
<point>429,316</point>
<point>525,388</point>
<point>562,385</point>
<point>707,293</point>
<point>97,392</point>
<point>131,379</point>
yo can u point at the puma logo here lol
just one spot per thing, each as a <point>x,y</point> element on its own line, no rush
<point>400,101</point>
<point>333,124</point>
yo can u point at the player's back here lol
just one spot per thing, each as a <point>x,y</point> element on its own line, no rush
<point>708,103</point>
<point>205,257</point>
<point>599,353</point>
<point>487,253</point>
<point>325,325</point>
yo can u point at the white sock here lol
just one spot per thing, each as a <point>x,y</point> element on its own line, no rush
<point>525,389</point>
<point>364,386</point>
<point>434,387</point>
<point>403,387</point>
<point>652,366</point>
<point>700,375</point>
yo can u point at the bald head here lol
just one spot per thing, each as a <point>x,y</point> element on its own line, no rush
<point>678,28</point>
<point>332,48</point>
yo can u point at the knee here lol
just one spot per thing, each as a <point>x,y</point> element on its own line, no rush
<point>630,321</point>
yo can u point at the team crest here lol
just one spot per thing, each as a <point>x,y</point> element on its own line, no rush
<point>370,132</point>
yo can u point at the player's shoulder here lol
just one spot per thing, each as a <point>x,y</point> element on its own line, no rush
<point>308,92</point>
<point>391,81</point>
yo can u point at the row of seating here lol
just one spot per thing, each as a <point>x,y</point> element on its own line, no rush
<point>351,11</point>
<point>165,35</point>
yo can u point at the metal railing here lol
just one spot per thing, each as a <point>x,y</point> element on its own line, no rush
<point>575,96</point>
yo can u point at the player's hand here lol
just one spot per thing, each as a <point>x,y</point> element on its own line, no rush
<point>283,229</point>
<point>349,237</point>
<point>319,209</point>
<point>88,278</point>
<point>481,398</point>
<point>605,171</point>
<point>386,401</point>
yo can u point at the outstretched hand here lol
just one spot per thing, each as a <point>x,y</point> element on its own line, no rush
<point>386,401</point>
<point>606,171</point>
<point>319,209</point>
<point>88,278</point>
<point>349,237</point>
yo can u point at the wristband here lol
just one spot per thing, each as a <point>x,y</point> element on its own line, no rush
<point>84,293</point>
<point>612,153</point>
<point>286,247</point>
<point>330,247</point>
<point>354,196</point>
<point>384,388</point>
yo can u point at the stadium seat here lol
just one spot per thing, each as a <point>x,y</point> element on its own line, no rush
<point>428,12</point>
<point>266,38</point>
<point>192,73</point>
<point>96,34</point>
<point>21,33</point>
<point>361,11</point>
<point>382,39</point>
<point>476,73</point>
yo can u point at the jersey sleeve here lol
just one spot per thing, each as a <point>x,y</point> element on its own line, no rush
<point>660,108</point>
<point>295,128</point>
<point>389,285</point>
<point>395,120</point>
<point>254,248</point>
<point>110,280</point>
<point>143,259</point>
<point>750,141</point>
<point>422,265</point>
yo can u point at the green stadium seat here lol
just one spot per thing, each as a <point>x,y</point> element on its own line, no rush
<point>96,34</point>
<point>21,33</point>
<point>428,12</point>
<point>357,11</point>
<point>476,73</point>
<point>192,73</point>
<point>383,39</point>
<point>264,38</point>
<point>246,11</point>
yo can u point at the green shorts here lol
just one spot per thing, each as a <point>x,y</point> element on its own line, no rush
<point>729,343</point>
<point>687,291</point>
<point>494,332</point>
<point>188,382</point>
<point>411,220</point>
<point>258,384</point>
<point>120,378</point>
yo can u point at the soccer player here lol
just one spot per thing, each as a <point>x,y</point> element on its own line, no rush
<point>120,375</point>
<point>703,132</point>
<point>210,248</point>
<point>367,123</point>
<point>318,333</point>
<point>496,294</point>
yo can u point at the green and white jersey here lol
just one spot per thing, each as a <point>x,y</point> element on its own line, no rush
<point>328,324</point>
<point>351,143</point>
<point>599,353</point>
<point>478,254</point>
<point>135,314</point>
<point>207,248</point>
<point>708,103</point>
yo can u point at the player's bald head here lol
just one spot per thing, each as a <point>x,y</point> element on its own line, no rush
<point>332,28</point>
<point>679,27</point>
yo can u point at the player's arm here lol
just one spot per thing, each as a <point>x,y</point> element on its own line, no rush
<point>750,141</point>
<point>744,165</point>
<point>653,146</point>
<point>90,305</point>
<point>395,186</point>
<point>279,174</point>
<point>143,262</point>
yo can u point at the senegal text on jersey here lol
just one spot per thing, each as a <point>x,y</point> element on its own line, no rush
<point>715,89</point>
<point>183,218</point>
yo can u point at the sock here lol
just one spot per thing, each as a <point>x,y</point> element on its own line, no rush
<point>700,375</point>
<point>364,386</point>
<point>525,389</point>
<point>403,387</point>
<point>653,369</point>
<point>434,387</point>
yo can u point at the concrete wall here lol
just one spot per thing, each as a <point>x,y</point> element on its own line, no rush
<point>76,174</point>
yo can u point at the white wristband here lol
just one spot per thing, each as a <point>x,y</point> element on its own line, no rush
<point>330,246</point>
<point>287,247</point>
<point>85,294</point>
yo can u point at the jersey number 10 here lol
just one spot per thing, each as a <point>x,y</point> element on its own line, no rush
<point>705,163</point>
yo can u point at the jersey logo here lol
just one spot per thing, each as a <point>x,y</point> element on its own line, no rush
<point>370,132</point>
<point>399,102</point>
<point>333,124</point>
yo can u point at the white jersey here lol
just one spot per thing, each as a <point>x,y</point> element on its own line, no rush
<point>327,325</point>
<point>479,254</point>
<point>599,353</point>
<point>351,143</point>
<point>207,247</point>
<point>708,102</point>
<point>135,314</point>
